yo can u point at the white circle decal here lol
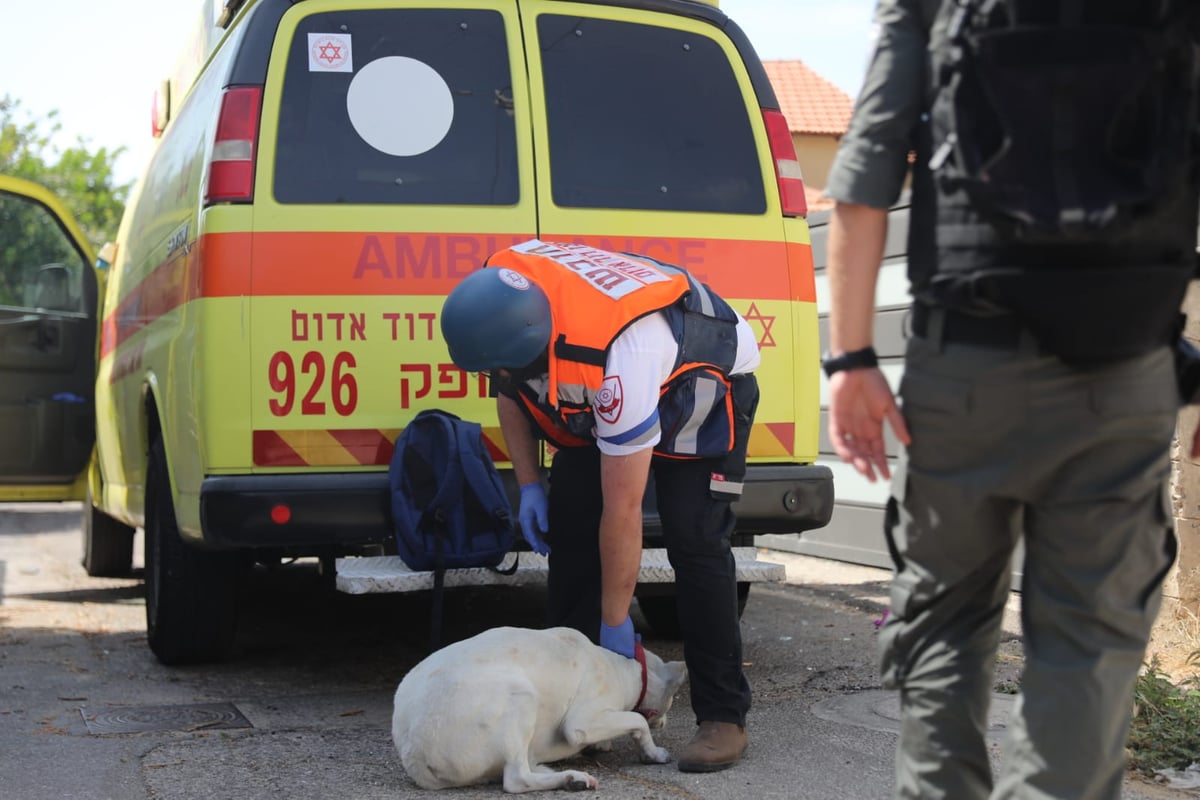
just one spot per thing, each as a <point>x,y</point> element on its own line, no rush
<point>514,279</point>
<point>400,106</point>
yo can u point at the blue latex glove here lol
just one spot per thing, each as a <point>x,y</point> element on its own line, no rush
<point>533,517</point>
<point>619,639</point>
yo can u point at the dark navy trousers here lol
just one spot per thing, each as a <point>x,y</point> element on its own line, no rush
<point>696,528</point>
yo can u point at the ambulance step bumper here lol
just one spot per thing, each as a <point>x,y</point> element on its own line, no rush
<point>352,510</point>
<point>379,574</point>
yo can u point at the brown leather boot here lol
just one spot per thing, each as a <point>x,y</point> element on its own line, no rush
<point>716,746</point>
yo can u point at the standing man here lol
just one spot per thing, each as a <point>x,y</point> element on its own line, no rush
<point>625,365</point>
<point>1052,236</point>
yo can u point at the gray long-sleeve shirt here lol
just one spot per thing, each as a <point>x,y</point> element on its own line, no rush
<point>872,159</point>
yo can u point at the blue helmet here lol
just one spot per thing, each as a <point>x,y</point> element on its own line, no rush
<point>496,318</point>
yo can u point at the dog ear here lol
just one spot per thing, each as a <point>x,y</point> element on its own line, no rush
<point>676,674</point>
<point>665,675</point>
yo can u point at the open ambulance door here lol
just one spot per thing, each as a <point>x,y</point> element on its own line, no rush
<point>48,329</point>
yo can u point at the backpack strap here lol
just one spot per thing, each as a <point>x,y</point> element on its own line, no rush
<point>434,517</point>
<point>450,482</point>
<point>471,457</point>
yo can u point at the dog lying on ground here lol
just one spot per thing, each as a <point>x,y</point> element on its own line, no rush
<point>504,703</point>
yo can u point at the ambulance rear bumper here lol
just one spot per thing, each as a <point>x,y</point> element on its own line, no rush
<point>776,498</point>
<point>785,498</point>
<point>320,511</point>
<point>315,510</point>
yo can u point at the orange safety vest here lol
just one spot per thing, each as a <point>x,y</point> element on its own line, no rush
<point>594,295</point>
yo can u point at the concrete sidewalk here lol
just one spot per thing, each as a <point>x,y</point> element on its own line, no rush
<point>303,709</point>
<point>879,709</point>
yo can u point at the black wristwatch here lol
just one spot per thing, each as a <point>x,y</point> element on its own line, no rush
<point>853,359</point>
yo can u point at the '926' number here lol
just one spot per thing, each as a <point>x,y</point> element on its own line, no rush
<point>342,391</point>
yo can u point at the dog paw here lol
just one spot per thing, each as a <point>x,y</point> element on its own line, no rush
<point>579,781</point>
<point>658,755</point>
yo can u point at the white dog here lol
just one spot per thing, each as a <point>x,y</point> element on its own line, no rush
<point>504,703</point>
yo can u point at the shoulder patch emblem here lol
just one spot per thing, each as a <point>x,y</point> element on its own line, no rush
<point>607,402</point>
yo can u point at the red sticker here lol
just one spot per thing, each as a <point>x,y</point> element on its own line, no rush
<point>608,400</point>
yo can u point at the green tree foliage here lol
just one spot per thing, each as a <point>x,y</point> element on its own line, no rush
<point>40,265</point>
<point>82,177</point>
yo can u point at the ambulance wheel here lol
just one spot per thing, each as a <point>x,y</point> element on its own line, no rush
<point>107,543</point>
<point>658,608</point>
<point>191,609</point>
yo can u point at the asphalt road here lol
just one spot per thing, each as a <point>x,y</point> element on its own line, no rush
<point>303,709</point>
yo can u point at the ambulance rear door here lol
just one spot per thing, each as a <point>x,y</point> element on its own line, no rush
<point>651,137</point>
<point>397,157</point>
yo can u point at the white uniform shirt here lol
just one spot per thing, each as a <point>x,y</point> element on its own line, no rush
<point>639,361</point>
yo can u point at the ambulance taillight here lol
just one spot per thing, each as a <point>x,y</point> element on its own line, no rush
<point>787,166</point>
<point>231,171</point>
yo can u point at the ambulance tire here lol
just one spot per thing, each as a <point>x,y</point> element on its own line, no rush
<point>660,612</point>
<point>191,595</point>
<point>107,543</point>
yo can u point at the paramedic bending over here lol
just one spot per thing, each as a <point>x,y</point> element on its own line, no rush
<point>603,395</point>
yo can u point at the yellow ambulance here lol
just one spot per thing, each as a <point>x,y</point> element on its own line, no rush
<point>327,170</point>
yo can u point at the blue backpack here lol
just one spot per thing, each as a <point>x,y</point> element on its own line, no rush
<point>449,506</point>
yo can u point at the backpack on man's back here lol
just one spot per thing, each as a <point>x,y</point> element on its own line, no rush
<point>1065,159</point>
<point>1068,120</point>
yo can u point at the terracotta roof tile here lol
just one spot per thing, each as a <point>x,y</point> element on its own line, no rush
<point>811,103</point>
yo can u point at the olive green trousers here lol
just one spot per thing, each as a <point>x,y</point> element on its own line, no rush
<point>1014,446</point>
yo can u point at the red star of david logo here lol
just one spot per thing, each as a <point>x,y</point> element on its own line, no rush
<point>754,315</point>
<point>608,399</point>
<point>330,52</point>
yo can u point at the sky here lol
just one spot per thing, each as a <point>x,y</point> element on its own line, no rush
<point>97,63</point>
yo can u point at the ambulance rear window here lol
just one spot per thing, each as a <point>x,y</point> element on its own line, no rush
<point>398,106</point>
<point>646,117</point>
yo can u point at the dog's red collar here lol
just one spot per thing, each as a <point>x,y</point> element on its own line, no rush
<point>639,653</point>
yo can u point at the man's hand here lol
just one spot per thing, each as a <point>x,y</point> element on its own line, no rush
<point>533,517</point>
<point>859,401</point>
<point>619,639</point>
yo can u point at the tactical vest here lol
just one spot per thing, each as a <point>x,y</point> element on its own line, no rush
<point>595,295</point>
<point>1088,292</point>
